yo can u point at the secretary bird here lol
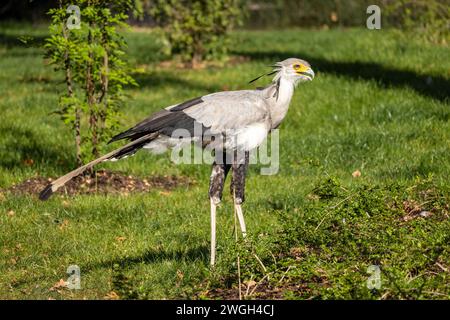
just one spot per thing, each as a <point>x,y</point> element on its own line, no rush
<point>232,123</point>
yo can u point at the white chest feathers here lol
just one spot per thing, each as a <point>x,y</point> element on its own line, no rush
<point>247,138</point>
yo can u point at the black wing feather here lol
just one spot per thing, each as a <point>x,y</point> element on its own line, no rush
<point>164,122</point>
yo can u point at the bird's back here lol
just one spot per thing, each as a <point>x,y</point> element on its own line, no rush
<point>229,110</point>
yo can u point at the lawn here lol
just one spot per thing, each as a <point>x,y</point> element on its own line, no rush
<point>379,104</point>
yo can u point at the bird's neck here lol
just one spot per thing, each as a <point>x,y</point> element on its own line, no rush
<point>285,92</point>
<point>281,101</point>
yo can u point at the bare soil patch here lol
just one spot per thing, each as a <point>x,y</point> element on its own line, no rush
<point>104,182</point>
<point>260,291</point>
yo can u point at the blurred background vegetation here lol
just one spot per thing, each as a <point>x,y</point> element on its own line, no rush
<point>423,16</point>
<point>194,31</point>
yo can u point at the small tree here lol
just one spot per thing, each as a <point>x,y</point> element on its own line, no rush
<point>87,47</point>
<point>197,30</point>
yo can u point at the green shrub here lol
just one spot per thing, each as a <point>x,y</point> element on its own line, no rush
<point>326,244</point>
<point>428,19</point>
<point>197,30</point>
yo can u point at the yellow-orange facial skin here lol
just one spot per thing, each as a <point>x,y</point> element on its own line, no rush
<point>299,68</point>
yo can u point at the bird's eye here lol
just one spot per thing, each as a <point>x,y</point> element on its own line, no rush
<point>296,66</point>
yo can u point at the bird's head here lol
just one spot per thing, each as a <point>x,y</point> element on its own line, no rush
<point>292,69</point>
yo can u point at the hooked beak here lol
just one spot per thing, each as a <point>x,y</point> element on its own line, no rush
<point>309,74</point>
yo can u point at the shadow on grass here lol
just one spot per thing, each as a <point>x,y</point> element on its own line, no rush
<point>149,256</point>
<point>152,256</point>
<point>22,146</point>
<point>436,87</point>
<point>11,41</point>
<point>127,262</point>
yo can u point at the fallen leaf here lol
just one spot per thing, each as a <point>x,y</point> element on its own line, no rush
<point>411,207</point>
<point>112,296</point>
<point>313,197</point>
<point>121,239</point>
<point>413,210</point>
<point>66,204</point>
<point>11,213</point>
<point>28,162</point>
<point>356,174</point>
<point>297,252</point>
<point>60,284</point>
<point>64,224</point>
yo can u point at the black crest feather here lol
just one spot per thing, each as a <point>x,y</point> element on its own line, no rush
<point>268,74</point>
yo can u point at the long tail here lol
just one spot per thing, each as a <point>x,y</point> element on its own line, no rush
<point>126,150</point>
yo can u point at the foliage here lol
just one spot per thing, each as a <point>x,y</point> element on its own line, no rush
<point>197,30</point>
<point>307,13</point>
<point>92,59</point>
<point>324,246</point>
<point>429,19</point>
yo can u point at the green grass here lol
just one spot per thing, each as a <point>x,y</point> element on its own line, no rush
<point>315,228</point>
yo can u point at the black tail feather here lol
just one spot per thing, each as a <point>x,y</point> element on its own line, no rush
<point>46,193</point>
<point>121,152</point>
<point>129,151</point>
